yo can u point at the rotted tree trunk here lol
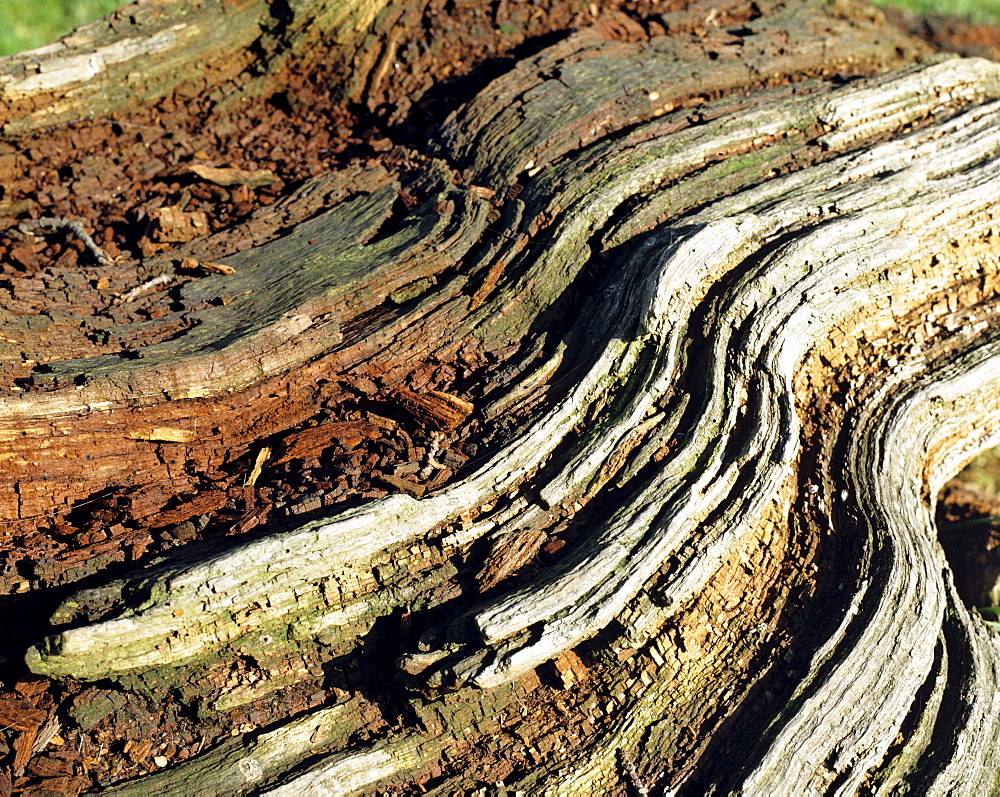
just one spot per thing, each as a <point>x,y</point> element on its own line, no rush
<point>583,437</point>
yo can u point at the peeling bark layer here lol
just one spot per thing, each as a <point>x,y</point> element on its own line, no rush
<point>726,312</point>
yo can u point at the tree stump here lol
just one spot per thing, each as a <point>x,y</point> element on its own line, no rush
<point>569,419</point>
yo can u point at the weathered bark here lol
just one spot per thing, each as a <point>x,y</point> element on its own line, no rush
<point>721,289</point>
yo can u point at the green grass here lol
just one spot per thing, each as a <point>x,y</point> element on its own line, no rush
<point>984,471</point>
<point>25,24</point>
<point>980,11</point>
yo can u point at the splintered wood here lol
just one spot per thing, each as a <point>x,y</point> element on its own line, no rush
<point>315,440</point>
<point>436,408</point>
<point>598,428</point>
<point>510,554</point>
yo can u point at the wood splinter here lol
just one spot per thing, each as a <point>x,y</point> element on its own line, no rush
<point>436,408</point>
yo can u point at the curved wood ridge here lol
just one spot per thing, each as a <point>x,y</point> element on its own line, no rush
<point>738,341</point>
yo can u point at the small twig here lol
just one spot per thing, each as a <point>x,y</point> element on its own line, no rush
<point>432,464</point>
<point>51,223</point>
<point>148,285</point>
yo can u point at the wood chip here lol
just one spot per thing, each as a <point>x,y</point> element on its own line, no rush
<point>206,265</point>
<point>20,715</point>
<point>46,734</point>
<point>31,687</point>
<point>382,422</point>
<point>230,175</point>
<point>139,749</point>
<point>163,434</point>
<point>435,407</point>
<point>571,669</point>
<point>23,748</point>
<point>415,489</point>
<point>171,225</point>
<point>202,504</point>
<point>314,440</point>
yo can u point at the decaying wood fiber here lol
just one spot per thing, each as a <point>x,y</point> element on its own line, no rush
<point>787,344</point>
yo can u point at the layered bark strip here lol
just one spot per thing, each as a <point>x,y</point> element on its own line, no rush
<point>746,337</point>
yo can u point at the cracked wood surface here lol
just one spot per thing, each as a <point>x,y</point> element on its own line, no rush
<point>749,328</point>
